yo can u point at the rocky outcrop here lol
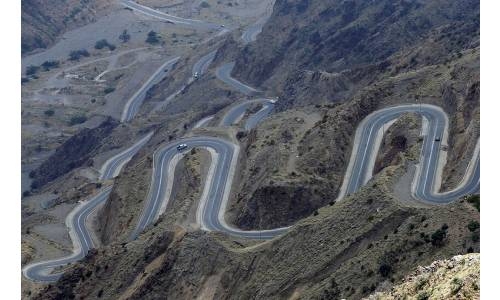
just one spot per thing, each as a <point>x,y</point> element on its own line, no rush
<point>349,249</point>
<point>337,35</point>
<point>73,153</point>
<point>455,278</point>
<point>44,20</point>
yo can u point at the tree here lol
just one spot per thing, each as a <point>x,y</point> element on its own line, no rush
<point>124,36</point>
<point>473,226</point>
<point>109,89</point>
<point>49,112</point>
<point>100,44</point>
<point>49,64</point>
<point>78,119</point>
<point>385,270</point>
<point>152,38</point>
<point>76,54</point>
<point>438,237</point>
<point>31,70</point>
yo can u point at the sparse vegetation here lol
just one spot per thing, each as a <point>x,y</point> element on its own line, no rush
<point>474,200</point>
<point>109,90</point>
<point>49,112</point>
<point>475,236</point>
<point>124,36</point>
<point>473,226</point>
<point>384,270</point>
<point>438,237</point>
<point>77,119</point>
<point>49,64</point>
<point>100,44</point>
<point>152,38</point>
<point>31,70</point>
<point>77,54</point>
<point>423,295</point>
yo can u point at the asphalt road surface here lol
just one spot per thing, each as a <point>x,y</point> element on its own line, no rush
<point>75,221</point>
<point>211,210</point>
<point>190,23</point>
<point>236,113</point>
<point>212,207</point>
<point>224,74</point>
<point>112,167</point>
<point>80,236</point>
<point>201,66</point>
<point>203,122</point>
<point>134,103</point>
<point>251,32</point>
<point>425,188</point>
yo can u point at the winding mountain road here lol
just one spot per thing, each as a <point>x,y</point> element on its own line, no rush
<point>224,74</point>
<point>80,236</point>
<point>210,214</point>
<point>224,155</point>
<point>77,218</point>
<point>112,167</point>
<point>236,113</point>
<point>251,32</point>
<point>190,23</point>
<point>134,103</point>
<point>427,179</point>
<point>201,66</point>
<point>212,207</point>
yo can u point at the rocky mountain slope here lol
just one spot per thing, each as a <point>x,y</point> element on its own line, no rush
<point>43,21</point>
<point>334,36</point>
<point>72,154</point>
<point>455,278</point>
<point>347,250</point>
<point>331,63</point>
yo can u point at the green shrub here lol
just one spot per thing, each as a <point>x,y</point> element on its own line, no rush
<point>124,36</point>
<point>474,200</point>
<point>31,70</point>
<point>438,237</point>
<point>109,90</point>
<point>78,119</point>
<point>423,296</point>
<point>152,38</point>
<point>49,64</point>
<point>473,226</point>
<point>100,44</point>
<point>385,270</point>
<point>49,112</point>
<point>475,236</point>
<point>77,54</point>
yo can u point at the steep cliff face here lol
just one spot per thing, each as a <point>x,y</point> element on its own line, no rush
<point>339,60</point>
<point>346,251</point>
<point>44,20</point>
<point>454,278</point>
<point>73,153</point>
<point>338,35</point>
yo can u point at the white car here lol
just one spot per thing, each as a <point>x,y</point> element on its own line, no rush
<point>196,75</point>
<point>181,147</point>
